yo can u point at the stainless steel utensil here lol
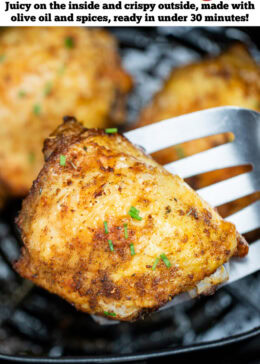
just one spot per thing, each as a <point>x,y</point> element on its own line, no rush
<point>244,149</point>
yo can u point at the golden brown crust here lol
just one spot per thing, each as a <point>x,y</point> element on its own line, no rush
<point>66,247</point>
<point>46,73</point>
<point>242,247</point>
<point>233,78</point>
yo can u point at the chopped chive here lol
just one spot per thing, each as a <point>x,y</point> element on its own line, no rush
<point>106,227</point>
<point>155,263</point>
<point>47,88</point>
<point>180,152</point>
<point>189,212</point>
<point>37,109</point>
<point>31,157</point>
<point>72,165</point>
<point>62,160</point>
<point>136,217</point>
<point>134,213</point>
<point>111,246</point>
<point>132,249</point>
<point>125,230</point>
<point>111,130</point>
<point>134,210</point>
<point>2,58</point>
<point>21,94</point>
<point>165,260</point>
<point>69,42</point>
<point>109,313</point>
<point>85,148</point>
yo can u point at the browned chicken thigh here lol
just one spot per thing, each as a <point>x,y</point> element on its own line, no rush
<point>46,73</point>
<point>232,78</point>
<point>111,231</point>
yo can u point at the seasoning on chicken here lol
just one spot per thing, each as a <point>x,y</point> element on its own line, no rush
<point>46,73</point>
<point>111,231</point>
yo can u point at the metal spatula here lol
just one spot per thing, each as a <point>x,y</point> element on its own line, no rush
<point>245,149</point>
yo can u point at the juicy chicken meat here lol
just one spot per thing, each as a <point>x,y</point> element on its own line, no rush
<point>111,231</point>
<point>46,73</point>
<point>232,78</point>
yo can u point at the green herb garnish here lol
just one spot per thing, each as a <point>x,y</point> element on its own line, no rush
<point>111,246</point>
<point>85,148</point>
<point>109,313</point>
<point>48,88</point>
<point>72,165</point>
<point>69,42</point>
<point>125,231</point>
<point>155,263</point>
<point>180,152</point>
<point>106,227</point>
<point>2,58</point>
<point>37,109</point>
<point>134,213</point>
<point>111,130</point>
<point>165,260</point>
<point>132,249</point>
<point>21,94</point>
<point>189,212</point>
<point>62,160</point>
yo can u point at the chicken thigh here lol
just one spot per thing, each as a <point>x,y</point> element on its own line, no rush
<point>45,74</point>
<point>111,231</point>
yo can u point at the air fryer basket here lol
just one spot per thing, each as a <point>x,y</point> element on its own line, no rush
<point>34,323</point>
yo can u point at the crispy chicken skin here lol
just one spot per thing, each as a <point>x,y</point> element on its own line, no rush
<point>66,245</point>
<point>232,78</point>
<point>46,73</point>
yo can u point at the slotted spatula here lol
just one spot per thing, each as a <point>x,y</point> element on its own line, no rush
<point>244,149</point>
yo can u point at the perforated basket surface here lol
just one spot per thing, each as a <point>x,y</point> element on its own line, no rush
<point>34,323</point>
